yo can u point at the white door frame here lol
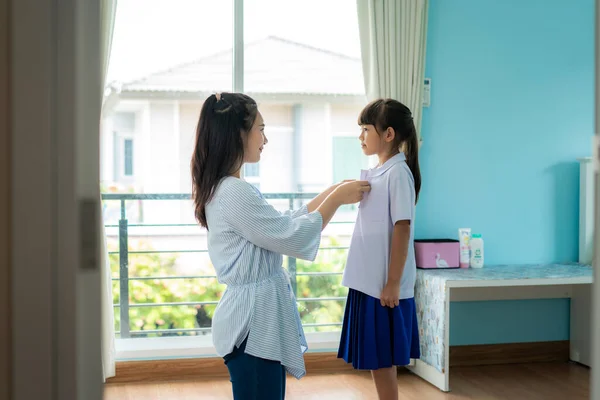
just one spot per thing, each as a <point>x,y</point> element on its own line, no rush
<point>55,112</point>
<point>595,370</point>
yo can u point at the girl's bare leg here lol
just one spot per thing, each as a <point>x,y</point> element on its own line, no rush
<point>386,382</point>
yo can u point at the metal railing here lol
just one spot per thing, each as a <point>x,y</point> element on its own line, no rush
<point>124,253</point>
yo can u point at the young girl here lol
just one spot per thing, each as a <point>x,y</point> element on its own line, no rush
<point>380,322</point>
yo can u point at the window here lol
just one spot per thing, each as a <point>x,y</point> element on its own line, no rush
<point>124,129</point>
<point>128,157</point>
<point>251,174</point>
<point>309,86</point>
<point>348,160</point>
<point>252,170</point>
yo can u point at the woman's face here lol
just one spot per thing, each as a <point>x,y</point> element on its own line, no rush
<point>255,141</point>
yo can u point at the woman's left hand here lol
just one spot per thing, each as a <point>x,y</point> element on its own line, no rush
<point>390,296</point>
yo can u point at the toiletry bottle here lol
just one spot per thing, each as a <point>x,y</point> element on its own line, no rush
<point>476,251</point>
<point>464,236</point>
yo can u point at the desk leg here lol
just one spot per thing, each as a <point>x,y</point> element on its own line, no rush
<point>441,380</point>
<point>430,374</point>
<point>447,342</point>
<point>580,337</point>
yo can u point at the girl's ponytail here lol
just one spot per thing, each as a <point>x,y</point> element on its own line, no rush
<point>411,151</point>
<point>389,113</point>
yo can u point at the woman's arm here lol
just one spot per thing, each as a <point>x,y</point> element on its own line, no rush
<point>312,205</point>
<point>249,215</point>
<point>347,192</point>
<point>317,201</point>
<point>327,202</point>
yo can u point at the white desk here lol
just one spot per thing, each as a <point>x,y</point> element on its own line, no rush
<point>435,289</point>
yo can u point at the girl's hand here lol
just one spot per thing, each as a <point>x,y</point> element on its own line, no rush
<point>351,192</point>
<point>390,296</point>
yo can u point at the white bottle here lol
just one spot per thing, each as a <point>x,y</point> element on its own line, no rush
<point>476,251</point>
<point>464,237</point>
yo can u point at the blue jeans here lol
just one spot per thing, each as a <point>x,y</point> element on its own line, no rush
<point>254,378</point>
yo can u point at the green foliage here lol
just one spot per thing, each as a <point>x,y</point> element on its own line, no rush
<point>151,291</point>
<point>326,311</point>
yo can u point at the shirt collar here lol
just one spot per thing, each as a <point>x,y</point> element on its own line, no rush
<point>400,157</point>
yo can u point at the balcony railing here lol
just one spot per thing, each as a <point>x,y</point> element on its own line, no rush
<point>124,305</point>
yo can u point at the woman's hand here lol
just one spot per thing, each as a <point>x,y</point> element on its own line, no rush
<point>390,296</point>
<point>350,192</point>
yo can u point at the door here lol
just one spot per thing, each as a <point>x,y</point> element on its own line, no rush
<point>595,370</point>
<point>54,129</point>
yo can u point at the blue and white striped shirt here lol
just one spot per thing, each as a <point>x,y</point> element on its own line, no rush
<point>247,239</point>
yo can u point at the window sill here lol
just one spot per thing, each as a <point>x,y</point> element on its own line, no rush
<point>201,346</point>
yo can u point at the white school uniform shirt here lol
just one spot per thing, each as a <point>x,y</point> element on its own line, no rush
<point>246,240</point>
<point>391,199</point>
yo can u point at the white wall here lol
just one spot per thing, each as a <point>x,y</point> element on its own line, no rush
<point>106,150</point>
<point>276,163</point>
<point>188,119</point>
<point>316,161</point>
<point>164,141</point>
<point>161,171</point>
<point>344,119</point>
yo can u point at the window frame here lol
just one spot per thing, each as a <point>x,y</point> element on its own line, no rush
<point>120,160</point>
<point>131,349</point>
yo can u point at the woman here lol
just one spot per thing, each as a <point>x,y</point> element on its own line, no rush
<point>256,326</point>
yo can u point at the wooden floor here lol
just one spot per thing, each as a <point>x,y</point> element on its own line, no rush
<point>513,382</point>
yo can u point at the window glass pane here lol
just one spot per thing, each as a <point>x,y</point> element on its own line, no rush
<point>308,83</point>
<point>167,57</point>
<point>348,160</point>
<point>307,79</point>
<point>128,156</point>
<point>251,170</point>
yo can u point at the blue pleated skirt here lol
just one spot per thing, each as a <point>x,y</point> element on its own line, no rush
<point>375,337</point>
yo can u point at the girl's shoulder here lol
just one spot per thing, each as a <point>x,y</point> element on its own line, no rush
<point>400,171</point>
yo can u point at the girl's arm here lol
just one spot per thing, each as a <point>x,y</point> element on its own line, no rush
<point>400,239</point>
<point>402,200</point>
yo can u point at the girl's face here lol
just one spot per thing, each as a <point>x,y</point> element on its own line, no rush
<point>255,141</point>
<point>373,143</point>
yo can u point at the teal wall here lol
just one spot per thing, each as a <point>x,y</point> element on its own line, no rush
<point>511,111</point>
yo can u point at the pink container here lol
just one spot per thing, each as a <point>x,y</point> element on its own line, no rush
<point>437,253</point>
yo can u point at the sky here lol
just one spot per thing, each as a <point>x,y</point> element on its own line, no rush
<point>154,35</point>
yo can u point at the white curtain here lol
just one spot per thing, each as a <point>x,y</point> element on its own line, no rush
<point>393,35</point>
<point>108,12</point>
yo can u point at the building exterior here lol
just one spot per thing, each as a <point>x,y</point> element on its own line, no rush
<point>310,99</point>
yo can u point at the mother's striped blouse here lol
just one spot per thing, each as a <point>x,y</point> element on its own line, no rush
<point>246,240</point>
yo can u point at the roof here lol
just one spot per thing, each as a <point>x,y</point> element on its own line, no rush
<point>272,66</point>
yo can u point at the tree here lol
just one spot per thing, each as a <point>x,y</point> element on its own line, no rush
<point>327,311</point>
<point>154,291</point>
